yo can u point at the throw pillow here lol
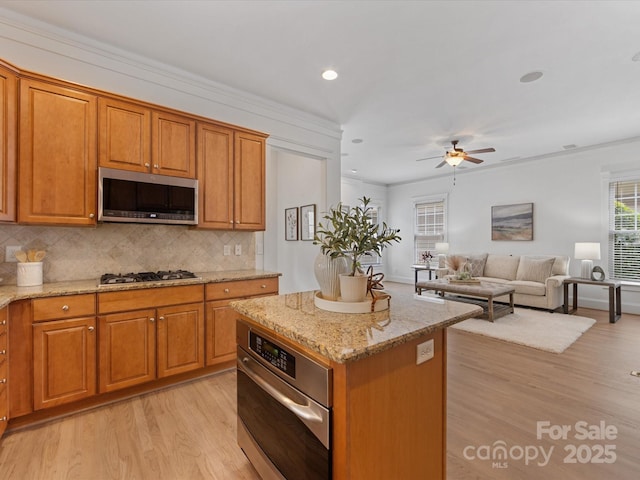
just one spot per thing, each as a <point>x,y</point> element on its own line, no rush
<point>477,264</point>
<point>534,270</point>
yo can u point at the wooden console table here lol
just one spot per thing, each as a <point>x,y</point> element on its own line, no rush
<point>615,287</point>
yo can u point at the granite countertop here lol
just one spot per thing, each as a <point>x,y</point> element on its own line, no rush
<point>10,293</point>
<point>343,337</point>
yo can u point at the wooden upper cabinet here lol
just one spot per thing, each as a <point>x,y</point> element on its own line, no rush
<point>173,145</point>
<point>125,135</point>
<point>8,138</point>
<point>249,183</point>
<point>57,160</point>
<point>215,176</point>
<point>231,172</point>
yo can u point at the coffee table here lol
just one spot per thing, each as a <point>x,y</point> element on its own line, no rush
<point>483,290</point>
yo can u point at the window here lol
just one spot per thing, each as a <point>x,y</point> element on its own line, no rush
<point>624,230</point>
<point>430,227</point>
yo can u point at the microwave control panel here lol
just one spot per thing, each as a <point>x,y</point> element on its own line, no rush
<point>274,354</point>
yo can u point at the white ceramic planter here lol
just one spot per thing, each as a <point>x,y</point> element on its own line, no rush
<point>327,271</point>
<point>29,274</point>
<point>353,288</point>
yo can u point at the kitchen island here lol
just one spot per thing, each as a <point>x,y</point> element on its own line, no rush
<point>388,411</point>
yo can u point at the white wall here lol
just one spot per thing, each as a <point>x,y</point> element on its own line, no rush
<point>299,181</point>
<point>569,194</point>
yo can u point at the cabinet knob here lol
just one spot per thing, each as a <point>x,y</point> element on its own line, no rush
<point>91,329</point>
<point>226,290</point>
<point>3,380</point>
<point>151,319</point>
<point>263,286</point>
<point>3,419</point>
<point>155,165</point>
<point>91,215</point>
<point>147,165</point>
<point>3,352</point>
<point>3,322</point>
<point>160,318</point>
<point>231,222</point>
<point>65,308</point>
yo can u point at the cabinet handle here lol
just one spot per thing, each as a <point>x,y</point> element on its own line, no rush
<point>151,319</point>
<point>3,322</point>
<point>65,308</point>
<point>3,380</point>
<point>3,419</point>
<point>155,165</point>
<point>231,222</point>
<point>91,215</point>
<point>91,329</point>
<point>3,352</point>
<point>226,290</point>
<point>263,286</point>
<point>160,318</point>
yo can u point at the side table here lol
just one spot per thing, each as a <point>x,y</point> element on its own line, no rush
<point>615,287</point>
<point>419,267</point>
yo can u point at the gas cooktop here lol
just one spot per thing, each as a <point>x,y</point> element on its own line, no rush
<point>113,278</point>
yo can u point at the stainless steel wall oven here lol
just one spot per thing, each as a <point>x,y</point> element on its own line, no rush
<point>284,409</point>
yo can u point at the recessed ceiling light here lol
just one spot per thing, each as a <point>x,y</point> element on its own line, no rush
<point>357,140</point>
<point>329,74</point>
<point>530,77</point>
<point>354,171</point>
<point>636,57</point>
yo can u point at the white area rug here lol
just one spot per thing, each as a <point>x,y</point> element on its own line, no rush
<point>552,332</point>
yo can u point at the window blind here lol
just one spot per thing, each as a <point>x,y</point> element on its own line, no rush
<point>624,230</point>
<point>429,227</point>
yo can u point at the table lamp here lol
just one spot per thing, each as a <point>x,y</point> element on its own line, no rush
<point>587,252</point>
<point>442,249</point>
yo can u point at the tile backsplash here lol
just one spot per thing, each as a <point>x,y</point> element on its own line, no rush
<point>75,253</point>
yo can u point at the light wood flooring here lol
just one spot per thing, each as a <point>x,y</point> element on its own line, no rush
<point>497,392</point>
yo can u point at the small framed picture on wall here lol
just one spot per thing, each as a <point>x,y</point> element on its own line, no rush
<point>307,222</point>
<point>291,223</point>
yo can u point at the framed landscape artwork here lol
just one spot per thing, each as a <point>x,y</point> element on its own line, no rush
<point>512,222</point>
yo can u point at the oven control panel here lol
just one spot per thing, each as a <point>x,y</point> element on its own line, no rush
<point>273,353</point>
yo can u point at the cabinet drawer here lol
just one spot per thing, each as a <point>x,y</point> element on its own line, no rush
<point>242,288</point>
<point>127,300</point>
<point>63,307</point>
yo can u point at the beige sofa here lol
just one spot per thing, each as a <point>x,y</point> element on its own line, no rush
<point>537,279</point>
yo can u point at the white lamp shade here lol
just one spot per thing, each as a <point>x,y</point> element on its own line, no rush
<point>587,251</point>
<point>442,247</point>
<point>453,161</point>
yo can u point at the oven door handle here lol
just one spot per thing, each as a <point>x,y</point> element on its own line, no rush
<point>305,412</point>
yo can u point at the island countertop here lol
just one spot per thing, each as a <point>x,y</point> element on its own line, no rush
<point>344,337</point>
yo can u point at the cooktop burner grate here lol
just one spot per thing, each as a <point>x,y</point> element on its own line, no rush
<point>114,278</point>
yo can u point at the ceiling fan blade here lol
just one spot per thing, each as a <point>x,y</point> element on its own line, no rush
<point>482,150</point>
<point>441,164</point>
<point>428,158</point>
<point>472,160</point>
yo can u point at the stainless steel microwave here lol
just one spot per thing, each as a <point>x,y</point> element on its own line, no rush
<point>134,197</point>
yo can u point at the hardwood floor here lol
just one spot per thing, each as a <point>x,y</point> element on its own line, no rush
<point>497,391</point>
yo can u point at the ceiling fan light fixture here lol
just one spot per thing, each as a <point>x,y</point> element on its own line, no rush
<point>453,161</point>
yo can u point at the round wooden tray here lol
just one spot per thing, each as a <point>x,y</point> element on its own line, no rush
<point>382,303</point>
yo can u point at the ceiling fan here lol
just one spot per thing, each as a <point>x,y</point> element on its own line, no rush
<point>455,156</point>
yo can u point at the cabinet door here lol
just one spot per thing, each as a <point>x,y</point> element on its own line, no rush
<point>249,184</point>
<point>125,135</point>
<point>180,339</point>
<point>215,176</point>
<point>126,349</point>
<point>221,333</point>
<point>57,161</point>
<point>64,361</point>
<point>4,371</point>
<point>173,147</point>
<point>8,138</point>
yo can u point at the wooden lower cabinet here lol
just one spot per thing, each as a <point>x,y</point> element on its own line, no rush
<point>4,371</point>
<point>221,332</point>
<point>126,349</point>
<point>140,346</point>
<point>64,361</point>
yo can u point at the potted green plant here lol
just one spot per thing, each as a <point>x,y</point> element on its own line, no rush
<point>349,233</point>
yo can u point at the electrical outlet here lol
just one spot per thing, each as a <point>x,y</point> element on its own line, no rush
<point>424,352</point>
<point>227,250</point>
<point>9,253</point>
<point>238,249</point>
